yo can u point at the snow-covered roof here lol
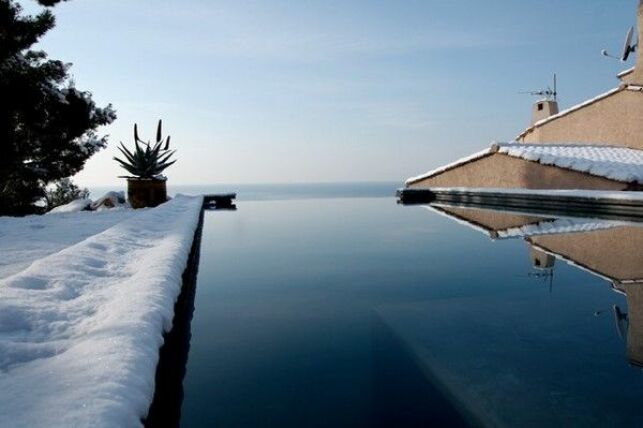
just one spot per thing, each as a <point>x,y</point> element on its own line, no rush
<point>558,226</point>
<point>613,162</point>
<point>548,225</point>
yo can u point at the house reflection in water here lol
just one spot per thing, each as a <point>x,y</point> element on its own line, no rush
<point>608,249</point>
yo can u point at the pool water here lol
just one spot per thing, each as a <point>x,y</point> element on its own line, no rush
<point>359,312</point>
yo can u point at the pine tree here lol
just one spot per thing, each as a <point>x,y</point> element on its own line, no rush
<point>47,125</point>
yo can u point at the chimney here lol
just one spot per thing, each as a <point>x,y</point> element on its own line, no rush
<point>544,108</point>
<point>637,75</point>
<point>540,259</point>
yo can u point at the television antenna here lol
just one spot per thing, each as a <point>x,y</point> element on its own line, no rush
<point>629,46</point>
<point>548,93</point>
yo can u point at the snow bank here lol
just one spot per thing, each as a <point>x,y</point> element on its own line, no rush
<point>80,329</point>
<point>107,201</point>
<point>72,207</point>
<point>26,239</point>
<point>616,163</point>
<point>110,200</point>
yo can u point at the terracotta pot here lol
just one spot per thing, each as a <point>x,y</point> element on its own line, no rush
<point>143,193</point>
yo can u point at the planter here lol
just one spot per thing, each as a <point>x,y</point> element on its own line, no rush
<point>143,193</point>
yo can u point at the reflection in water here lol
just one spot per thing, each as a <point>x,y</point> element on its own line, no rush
<point>347,312</point>
<point>608,249</point>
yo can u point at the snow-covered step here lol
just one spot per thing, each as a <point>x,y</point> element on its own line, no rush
<point>80,330</point>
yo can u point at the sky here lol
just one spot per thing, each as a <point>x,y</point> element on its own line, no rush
<point>328,91</point>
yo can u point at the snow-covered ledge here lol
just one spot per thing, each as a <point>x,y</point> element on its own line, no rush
<point>80,330</point>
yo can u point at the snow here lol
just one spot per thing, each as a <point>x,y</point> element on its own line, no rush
<point>613,162</point>
<point>24,240</point>
<point>558,226</point>
<point>110,200</point>
<point>80,328</point>
<point>616,163</point>
<point>625,72</point>
<point>72,207</point>
<point>547,226</point>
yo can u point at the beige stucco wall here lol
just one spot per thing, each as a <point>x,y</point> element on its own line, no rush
<point>492,220</point>
<point>637,75</point>
<point>500,170</point>
<point>626,78</point>
<point>634,294</point>
<point>615,253</point>
<point>614,120</point>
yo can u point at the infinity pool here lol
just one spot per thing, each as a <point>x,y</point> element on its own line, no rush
<point>358,312</point>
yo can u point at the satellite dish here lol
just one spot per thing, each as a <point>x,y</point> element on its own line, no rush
<point>628,47</point>
<point>621,322</point>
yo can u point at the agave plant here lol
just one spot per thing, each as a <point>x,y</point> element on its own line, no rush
<point>147,160</point>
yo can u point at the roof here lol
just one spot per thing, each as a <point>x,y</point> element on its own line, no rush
<point>443,168</point>
<point>546,226</point>
<point>572,109</point>
<point>558,226</point>
<point>613,162</point>
<point>625,72</point>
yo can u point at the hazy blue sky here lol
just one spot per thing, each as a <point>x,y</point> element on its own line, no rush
<point>303,91</point>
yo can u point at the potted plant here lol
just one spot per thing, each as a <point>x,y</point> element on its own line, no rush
<point>146,187</point>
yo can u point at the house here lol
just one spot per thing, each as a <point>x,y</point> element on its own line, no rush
<point>595,145</point>
<point>608,249</point>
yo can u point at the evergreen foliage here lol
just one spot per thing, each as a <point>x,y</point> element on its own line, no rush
<point>47,125</point>
<point>64,192</point>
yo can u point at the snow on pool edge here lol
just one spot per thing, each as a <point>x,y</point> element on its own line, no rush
<point>80,330</point>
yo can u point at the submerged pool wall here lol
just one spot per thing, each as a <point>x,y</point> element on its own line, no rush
<point>165,410</point>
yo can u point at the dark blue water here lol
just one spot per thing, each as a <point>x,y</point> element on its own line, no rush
<point>356,312</point>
